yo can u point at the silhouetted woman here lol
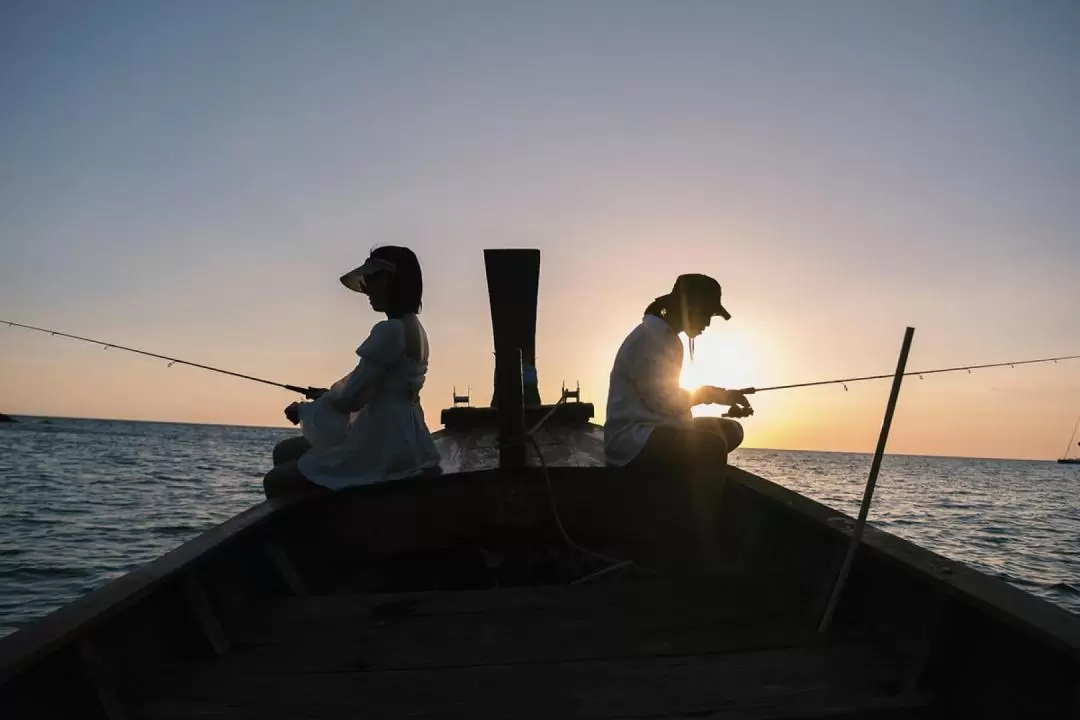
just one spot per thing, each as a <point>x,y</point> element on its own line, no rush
<point>368,427</point>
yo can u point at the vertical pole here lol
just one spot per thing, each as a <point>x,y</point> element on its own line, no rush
<point>868,494</point>
<point>508,388</point>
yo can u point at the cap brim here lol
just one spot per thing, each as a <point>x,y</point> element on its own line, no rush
<point>722,312</point>
<point>354,279</point>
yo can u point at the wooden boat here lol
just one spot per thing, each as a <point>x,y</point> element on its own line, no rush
<point>469,595</point>
<point>1069,461</point>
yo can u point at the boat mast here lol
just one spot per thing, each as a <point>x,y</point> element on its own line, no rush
<point>1068,445</point>
<point>513,278</point>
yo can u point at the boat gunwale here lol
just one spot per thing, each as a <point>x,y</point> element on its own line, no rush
<point>74,620</point>
<point>1006,603</point>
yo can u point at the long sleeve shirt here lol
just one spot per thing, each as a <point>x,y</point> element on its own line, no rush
<point>643,390</point>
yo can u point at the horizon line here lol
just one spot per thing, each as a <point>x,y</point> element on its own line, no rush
<point>742,447</point>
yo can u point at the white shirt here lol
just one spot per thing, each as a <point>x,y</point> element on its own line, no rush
<point>643,390</point>
<point>384,436</point>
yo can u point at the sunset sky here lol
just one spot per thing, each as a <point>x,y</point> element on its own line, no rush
<point>193,177</point>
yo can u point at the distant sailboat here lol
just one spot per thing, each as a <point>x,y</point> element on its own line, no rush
<point>1065,459</point>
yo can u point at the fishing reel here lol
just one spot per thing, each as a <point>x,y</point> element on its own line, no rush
<point>311,393</point>
<point>736,411</point>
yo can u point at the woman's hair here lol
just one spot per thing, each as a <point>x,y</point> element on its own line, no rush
<point>406,282</point>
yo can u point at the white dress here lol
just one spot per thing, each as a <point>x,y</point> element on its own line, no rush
<point>384,436</point>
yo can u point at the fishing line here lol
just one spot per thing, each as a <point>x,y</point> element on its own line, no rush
<point>307,392</point>
<point>920,373</point>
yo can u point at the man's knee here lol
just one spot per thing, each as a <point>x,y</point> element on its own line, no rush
<point>733,433</point>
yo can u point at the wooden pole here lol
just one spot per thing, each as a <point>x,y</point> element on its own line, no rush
<point>868,494</point>
<point>511,411</point>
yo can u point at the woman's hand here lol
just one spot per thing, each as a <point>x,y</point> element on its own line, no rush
<point>292,413</point>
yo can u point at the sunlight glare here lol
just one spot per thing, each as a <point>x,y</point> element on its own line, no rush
<point>725,359</point>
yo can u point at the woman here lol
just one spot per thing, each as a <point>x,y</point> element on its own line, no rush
<point>649,428</point>
<point>368,427</point>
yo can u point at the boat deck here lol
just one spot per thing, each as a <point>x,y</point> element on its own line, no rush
<point>632,648</point>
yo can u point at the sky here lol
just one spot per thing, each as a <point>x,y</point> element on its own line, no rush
<point>192,178</point>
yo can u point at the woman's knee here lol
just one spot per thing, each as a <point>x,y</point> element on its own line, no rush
<point>285,479</point>
<point>290,449</point>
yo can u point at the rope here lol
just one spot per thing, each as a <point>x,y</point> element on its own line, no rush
<point>613,564</point>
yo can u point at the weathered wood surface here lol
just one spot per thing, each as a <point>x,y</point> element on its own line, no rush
<point>629,649</point>
<point>410,630</point>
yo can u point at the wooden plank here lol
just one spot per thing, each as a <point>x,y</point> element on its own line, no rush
<point>430,629</point>
<point>204,615</point>
<point>717,594</point>
<point>22,648</point>
<point>725,682</point>
<point>285,567</point>
<point>102,679</point>
<point>472,640</point>
<point>905,707</point>
<point>644,604</point>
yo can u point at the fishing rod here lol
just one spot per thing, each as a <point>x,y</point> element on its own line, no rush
<point>308,392</point>
<point>920,373</point>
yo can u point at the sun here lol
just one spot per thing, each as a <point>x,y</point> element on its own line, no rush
<point>726,359</point>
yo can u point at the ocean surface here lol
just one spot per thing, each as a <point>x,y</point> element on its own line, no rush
<point>84,501</point>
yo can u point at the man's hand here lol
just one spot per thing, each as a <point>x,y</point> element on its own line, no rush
<point>733,398</point>
<point>739,411</point>
<point>292,413</point>
<point>740,406</point>
<point>314,393</point>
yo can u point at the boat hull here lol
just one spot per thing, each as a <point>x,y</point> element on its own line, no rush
<point>174,638</point>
